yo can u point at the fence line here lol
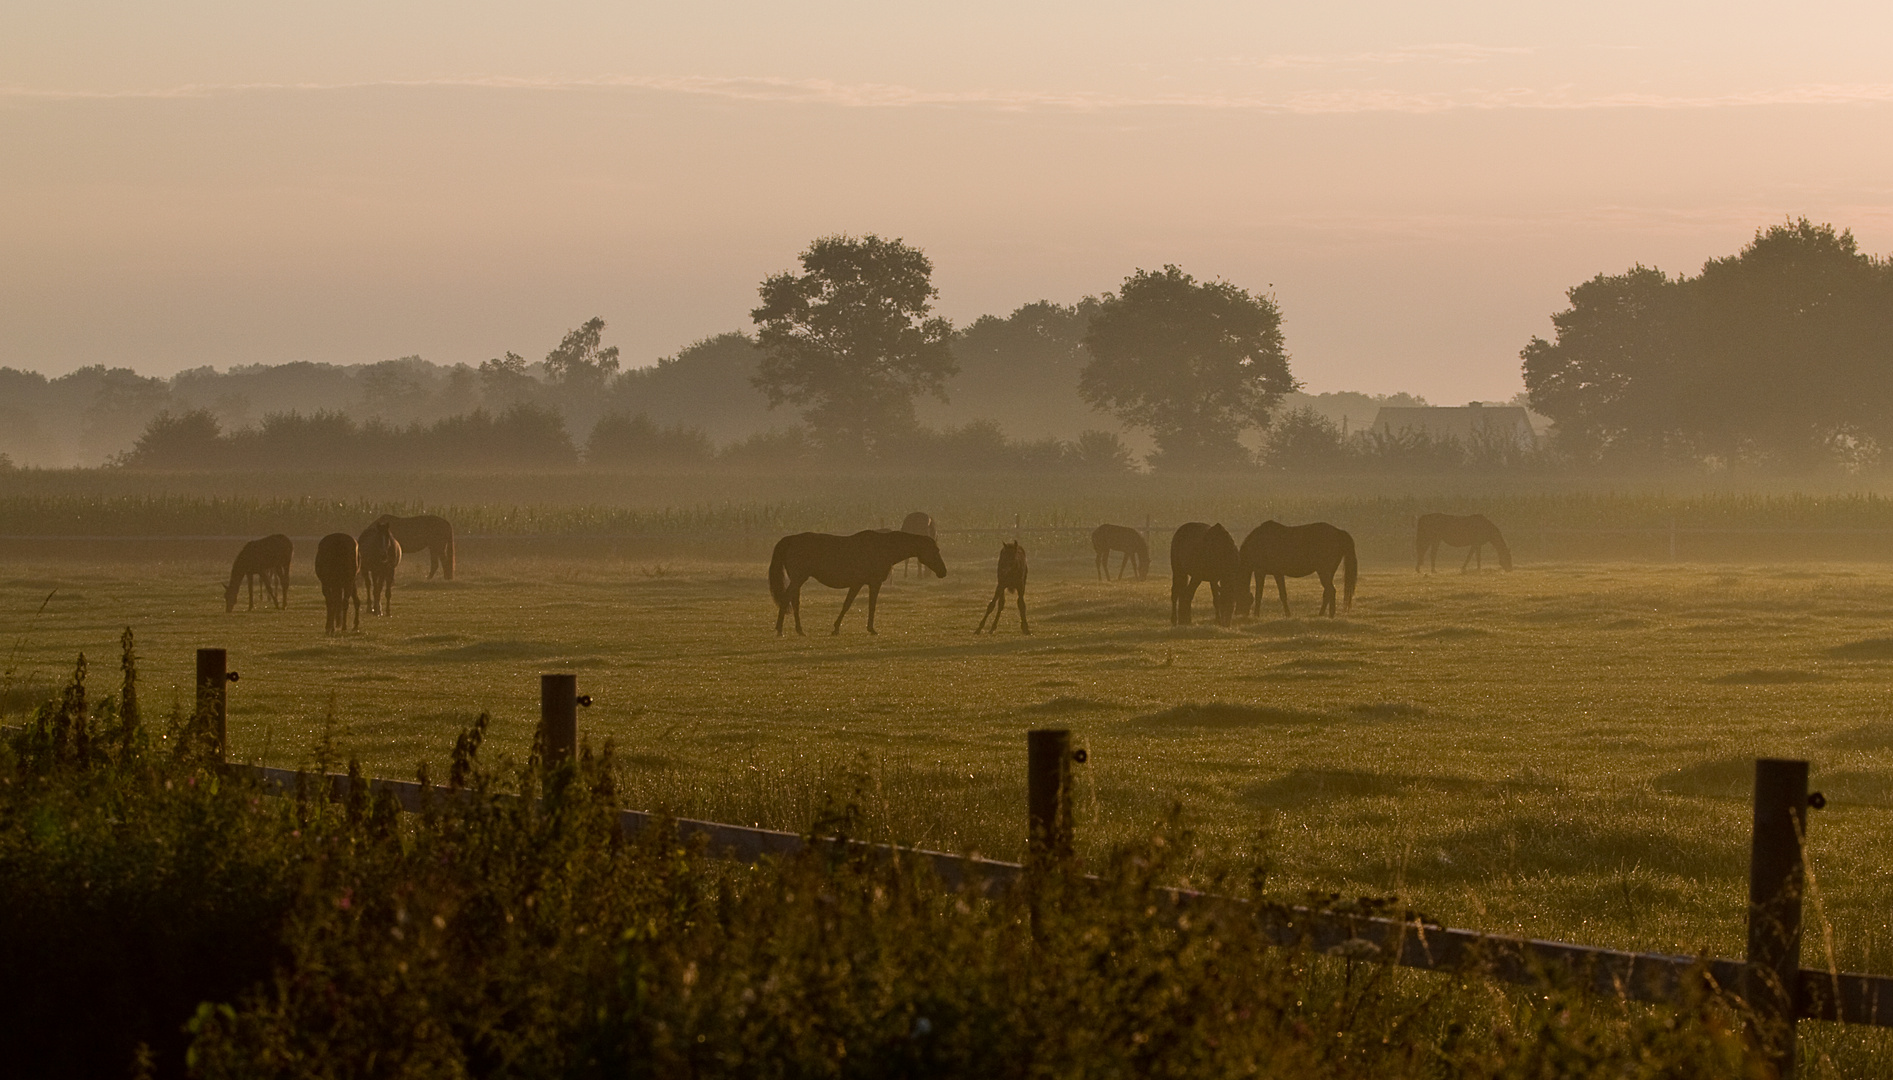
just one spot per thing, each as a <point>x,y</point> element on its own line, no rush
<point>1770,980</point>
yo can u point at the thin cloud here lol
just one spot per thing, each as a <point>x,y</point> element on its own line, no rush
<point>1442,53</point>
<point>837,94</point>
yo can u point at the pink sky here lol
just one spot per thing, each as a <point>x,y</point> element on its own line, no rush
<point>1418,184</point>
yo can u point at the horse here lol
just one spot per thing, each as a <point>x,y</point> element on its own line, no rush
<point>1108,538</point>
<point>920,524</point>
<point>843,562</point>
<point>1011,576</point>
<point>1473,531</point>
<point>338,560</point>
<point>380,554</point>
<point>268,559</point>
<point>435,534</point>
<point>1284,551</point>
<point>1200,553</point>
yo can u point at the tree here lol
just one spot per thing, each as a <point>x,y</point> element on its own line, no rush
<point>851,340</point>
<point>1195,363</point>
<point>579,359</point>
<point>504,381</point>
<point>1781,353</point>
<point>1303,439</point>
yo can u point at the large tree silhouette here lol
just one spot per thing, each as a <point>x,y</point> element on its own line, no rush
<point>1782,353</point>
<point>852,340</point>
<point>1194,363</point>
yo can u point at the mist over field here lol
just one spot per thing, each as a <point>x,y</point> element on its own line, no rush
<point>497,504</point>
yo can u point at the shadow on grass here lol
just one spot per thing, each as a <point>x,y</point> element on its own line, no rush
<point>1061,705</point>
<point>1865,649</point>
<point>1766,677</point>
<point>1217,714</point>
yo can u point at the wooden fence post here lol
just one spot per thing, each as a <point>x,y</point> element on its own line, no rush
<point>1776,878</point>
<point>1048,793</point>
<point>558,717</point>
<point>213,677</point>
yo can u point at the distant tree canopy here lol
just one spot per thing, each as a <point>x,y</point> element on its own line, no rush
<point>580,358</point>
<point>1782,353</point>
<point>851,340</point>
<point>521,437</point>
<point>1194,363</point>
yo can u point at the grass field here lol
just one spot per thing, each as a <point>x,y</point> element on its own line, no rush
<point>1562,751</point>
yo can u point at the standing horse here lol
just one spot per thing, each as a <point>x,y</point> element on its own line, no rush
<point>1200,553</point>
<point>268,559</point>
<point>380,554</point>
<point>843,562</point>
<point>1108,538</point>
<point>1473,531</point>
<point>920,524</point>
<point>1011,576</point>
<point>338,560</point>
<point>435,534</point>
<point>1284,551</point>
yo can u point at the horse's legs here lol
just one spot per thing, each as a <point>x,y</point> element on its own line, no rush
<point>1464,566</point>
<point>1281,590</point>
<point>1327,594</point>
<point>1122,565</point>
<point>852,593</point>
<point>795,598</point>
<point>998,601</point>
<point>1024,627</point>
<point>1189,599</point>
<point>874,601</point>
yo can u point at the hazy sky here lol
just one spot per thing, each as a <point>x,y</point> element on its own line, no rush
<point>223,183</point>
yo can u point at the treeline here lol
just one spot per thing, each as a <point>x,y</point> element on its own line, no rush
<point>530,437</point>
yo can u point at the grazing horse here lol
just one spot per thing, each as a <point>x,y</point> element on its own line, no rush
<point>1285,551</point>
<point>1200,553</point>
<point>380,554</point>
<point>843,562</point>
<point>1473,531</point>
<point>268,559</point>
<point>338,560</point>
<point>920,524</point>
<point>1011,576</point>
<point>1108,538</point>
<point>435,534</point>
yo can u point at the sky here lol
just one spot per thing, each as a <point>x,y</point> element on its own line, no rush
<point>1416,184</point>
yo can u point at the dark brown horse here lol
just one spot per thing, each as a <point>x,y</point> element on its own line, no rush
<point>338,561</point>
<point>1200,553</point>
<point>1011,576</point>
<point>1108,538</point>
<point>919,523</point>
<point>268,559</point>
<point>843,562</point>
<point>434,534</point>
<point>1285,551</point>
<point>1472,530</point>
<point>380,554</point>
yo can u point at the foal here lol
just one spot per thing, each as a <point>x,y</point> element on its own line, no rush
<point>1011,576</point>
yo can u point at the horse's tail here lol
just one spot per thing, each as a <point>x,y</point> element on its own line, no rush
<point>1350,566</point>
<point>1505,553</point>
<point>779,574</point>
<point>1142,556</point>
<point>447,556</point>
<point>1421,535</point>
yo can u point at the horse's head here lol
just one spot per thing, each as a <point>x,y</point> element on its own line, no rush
<point>928,552</point>
<point>230,596</point>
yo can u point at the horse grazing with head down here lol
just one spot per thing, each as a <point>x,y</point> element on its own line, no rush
<point>1011,576</point>
<point>843,562</point>
<point>1472,530</point>
<point>919,523</point>
<point>338,561</point>
<point>268,559</point>
<point>1284,551</point>
<point>434,534</point>
<point>1108,538</point>
<point>1200,553</point>
<point>380,554</point>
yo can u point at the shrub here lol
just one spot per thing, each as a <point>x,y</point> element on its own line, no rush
<point>635,440</point>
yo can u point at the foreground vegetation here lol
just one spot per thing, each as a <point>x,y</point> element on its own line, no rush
<point>164,919</point>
